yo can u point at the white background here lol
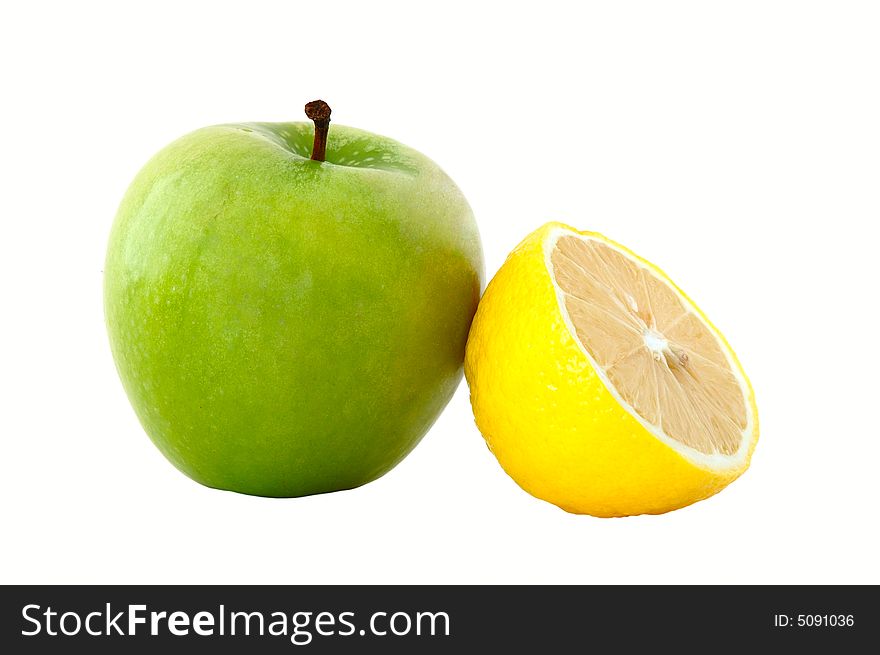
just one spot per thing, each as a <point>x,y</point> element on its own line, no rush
<point>736,145</point>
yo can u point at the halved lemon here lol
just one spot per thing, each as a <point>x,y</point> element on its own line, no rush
<point>600,386</point>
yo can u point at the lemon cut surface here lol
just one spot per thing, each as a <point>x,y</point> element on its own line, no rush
<point>599,386</point>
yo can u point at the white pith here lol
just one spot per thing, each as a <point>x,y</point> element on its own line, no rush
<point>656,343</point>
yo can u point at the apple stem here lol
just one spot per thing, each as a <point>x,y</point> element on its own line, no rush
<point>319,112</point>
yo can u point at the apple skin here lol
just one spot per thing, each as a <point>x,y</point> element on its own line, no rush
<point>286,327</point>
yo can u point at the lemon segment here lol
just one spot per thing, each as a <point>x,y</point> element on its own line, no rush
<point>599,386</point>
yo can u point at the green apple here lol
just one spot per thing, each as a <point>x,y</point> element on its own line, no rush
<point>284,325</point>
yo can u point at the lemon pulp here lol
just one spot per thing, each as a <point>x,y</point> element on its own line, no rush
<point>655,350</point>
